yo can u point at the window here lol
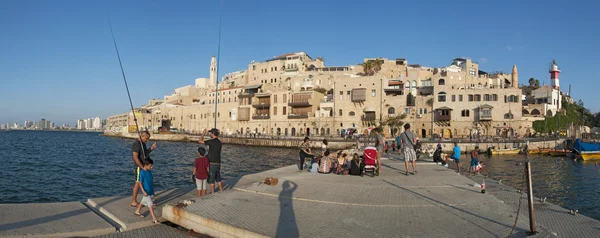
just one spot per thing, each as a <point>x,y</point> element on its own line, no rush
<point>470,97</point>
<point>351,113</point>
<point>420,110</point>
<point>494,97</point>
<point>341,95</point>
<point>477,97</point>
<point>391,111</point>
<point>441,97</point>
<point>275,68</point>
<point>472,72</point>
<point>373,93</point>
<point>274,111</point>
<point>442,82</point>
<point>424,110</point>
<point>512,98</point>
<point>275,99</point>
<point>509,116</point>
<point>460,98</point>
<point>454,98</point>
<point>284,111</point>
<point>284,100</point>
<point>341,113</point>
<point>486,97</point>
<point>253,67</point>
<point>407,110</point>
<point>465,113</point>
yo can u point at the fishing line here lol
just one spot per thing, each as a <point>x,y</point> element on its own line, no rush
<point>137,128</point>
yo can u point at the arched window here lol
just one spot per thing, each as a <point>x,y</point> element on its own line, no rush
<point>525,112</point>
<point>341,113</point>
<point>442,82</point>
<point>477,97</point>
<point>512,98</point>
<point>351,113</point>
<point>548,113</point>
<point>509,116</point>
<point>465,113</point>
<point>441,97</point>
<point>414,84</point>
<point>391,111</point>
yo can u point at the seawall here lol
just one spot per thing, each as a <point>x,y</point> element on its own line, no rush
<point>264,142</point>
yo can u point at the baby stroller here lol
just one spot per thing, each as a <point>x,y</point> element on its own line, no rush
<point>370,158</point>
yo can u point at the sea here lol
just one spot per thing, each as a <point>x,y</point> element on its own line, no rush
<point>60,166</point>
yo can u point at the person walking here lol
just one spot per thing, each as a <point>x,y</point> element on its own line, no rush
<point>408,140</point>
<point>140,156</point>
<point>214,157</point>
<point>456,156</point>
<point>379,142</point>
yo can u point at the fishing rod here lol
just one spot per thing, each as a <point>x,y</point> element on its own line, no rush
<point>218,61</point>
<point>137,128</point>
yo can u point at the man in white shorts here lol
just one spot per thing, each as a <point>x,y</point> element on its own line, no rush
<point>408,140</point>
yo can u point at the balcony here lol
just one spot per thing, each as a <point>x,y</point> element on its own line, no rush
<point>485,112</point>
<point>368,118</point>
<point>443,117</point>
<point>291,70</point>
<point>260,117</point>
<point>261,105</point>
<point>299,104</point>
<point>262,94</point>
<point>246,95</point>
<point>394,91</point>
<point>326,104</point>
<point>297,116</point>
<point>485,117</point>
<point>443,114</point>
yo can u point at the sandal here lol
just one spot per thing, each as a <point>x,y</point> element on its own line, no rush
<point>406,174</point>
<point>155,221</point>
<point>139,215</point>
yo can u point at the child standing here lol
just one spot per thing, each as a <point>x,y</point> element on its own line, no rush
<point>394,146</point>
<point>386,147</point>
<point>201,169</point>
<point>147,188</point>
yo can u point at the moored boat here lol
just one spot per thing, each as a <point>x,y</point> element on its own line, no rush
<point>505,151</point>
<point>558,152</point>
<point>586,150</point>
<point>538,151</point>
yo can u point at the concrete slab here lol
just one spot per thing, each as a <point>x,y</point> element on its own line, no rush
<point>51,220</point>
<point>158,231</point>
<point>119,209</point>
<point>435,203</point>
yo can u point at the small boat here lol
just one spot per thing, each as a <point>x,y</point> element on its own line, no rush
<point>505,151</point>
<point>560,153</point>
<point>538,151</point>
<point>586,150</point>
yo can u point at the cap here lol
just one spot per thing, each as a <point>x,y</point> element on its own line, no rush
<point>214,131</point>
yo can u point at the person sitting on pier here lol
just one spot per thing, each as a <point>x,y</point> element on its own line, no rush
<point>314,166</point>
<point>356,165</point>
<point>325,166</point>
<point>437,156</point>
<point>341,165</point>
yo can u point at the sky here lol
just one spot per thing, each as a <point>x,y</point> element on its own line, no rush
<point>57,59</point>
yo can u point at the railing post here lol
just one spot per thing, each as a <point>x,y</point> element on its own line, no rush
<point>530,198</point>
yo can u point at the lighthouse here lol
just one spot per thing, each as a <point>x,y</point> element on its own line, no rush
<point>554,72</point>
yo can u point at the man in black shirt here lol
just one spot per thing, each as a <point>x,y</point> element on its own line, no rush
<point>139,158</point>
<point>214,157</point>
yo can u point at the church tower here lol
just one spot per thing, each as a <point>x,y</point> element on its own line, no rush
<point>515,77</point>
<point>213,71</point>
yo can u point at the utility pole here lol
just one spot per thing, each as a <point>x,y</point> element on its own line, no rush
<point>381,103</point>
<point>333,98</point>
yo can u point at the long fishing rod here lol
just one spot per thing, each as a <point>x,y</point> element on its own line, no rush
<point>137,128</point>
<point>218,60</point>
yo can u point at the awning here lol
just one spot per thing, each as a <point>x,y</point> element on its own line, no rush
<point>253,86</point>
<point>444,108</point>
<point>369,109</point>
<point>486,106</point>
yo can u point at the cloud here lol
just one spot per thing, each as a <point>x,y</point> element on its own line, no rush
<point>508,47</point>
<point>483,60</point>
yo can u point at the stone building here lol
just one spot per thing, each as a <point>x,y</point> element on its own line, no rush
<point>295,95</point>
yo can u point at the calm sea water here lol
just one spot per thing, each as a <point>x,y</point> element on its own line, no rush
<point>57,166</point>
<point>570,184</point>
<point>38,166</point>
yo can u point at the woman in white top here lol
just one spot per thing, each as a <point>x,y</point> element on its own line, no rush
<point>324,147</point>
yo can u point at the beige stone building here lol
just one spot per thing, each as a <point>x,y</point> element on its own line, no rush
<point>295,95</point>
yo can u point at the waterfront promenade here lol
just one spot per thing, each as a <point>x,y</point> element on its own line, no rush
<point>435,203</point>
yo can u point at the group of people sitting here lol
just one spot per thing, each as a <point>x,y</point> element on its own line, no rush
<point>339,163</point>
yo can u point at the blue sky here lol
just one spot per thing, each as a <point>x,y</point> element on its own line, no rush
<point>57,60</point>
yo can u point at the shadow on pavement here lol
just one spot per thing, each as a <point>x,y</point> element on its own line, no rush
<point>287,226</point>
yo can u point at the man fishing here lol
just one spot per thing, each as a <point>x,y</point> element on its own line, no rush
<point>140,155</point>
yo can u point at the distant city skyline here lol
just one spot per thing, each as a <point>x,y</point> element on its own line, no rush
<point>58,60</point>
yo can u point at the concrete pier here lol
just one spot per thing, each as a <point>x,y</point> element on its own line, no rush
<point>437,202</point>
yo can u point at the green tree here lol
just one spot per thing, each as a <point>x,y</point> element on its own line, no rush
<point>371,67</point>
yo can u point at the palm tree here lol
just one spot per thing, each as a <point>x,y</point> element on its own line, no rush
<point>395,121</point>
<point>371,67</point>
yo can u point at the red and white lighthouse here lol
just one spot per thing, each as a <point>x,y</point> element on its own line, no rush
<point>554,72</point>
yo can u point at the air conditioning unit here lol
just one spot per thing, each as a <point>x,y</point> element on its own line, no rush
<point>419,116</point>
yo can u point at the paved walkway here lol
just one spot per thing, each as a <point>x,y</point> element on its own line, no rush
<point>435,203</point>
